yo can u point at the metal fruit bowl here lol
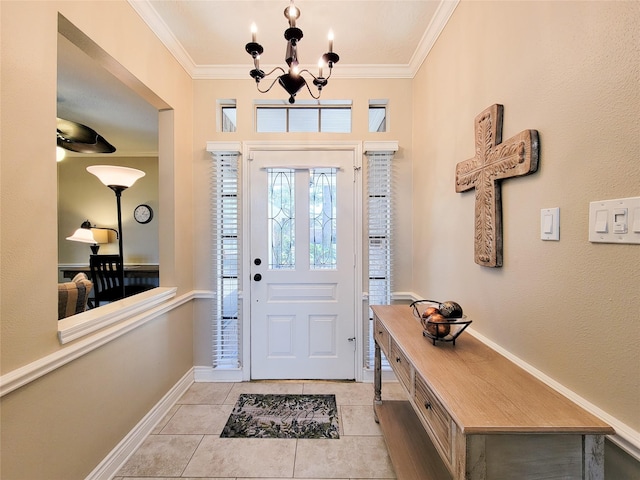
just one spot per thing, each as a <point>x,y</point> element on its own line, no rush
<point>439,331</point>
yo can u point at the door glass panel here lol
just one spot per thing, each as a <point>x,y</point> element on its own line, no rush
<point>322,218</point>
<point>281,218</point>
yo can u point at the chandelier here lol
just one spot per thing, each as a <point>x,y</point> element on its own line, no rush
<point>292,81</point>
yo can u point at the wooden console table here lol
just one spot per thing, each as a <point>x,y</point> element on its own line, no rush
<point>472,414</point>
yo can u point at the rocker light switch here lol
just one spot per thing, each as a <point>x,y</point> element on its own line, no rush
<point>601,221</point>
<point>550,223</point>
<point>636,221</point>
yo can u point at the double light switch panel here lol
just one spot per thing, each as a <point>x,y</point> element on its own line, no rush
<point>615,221</point>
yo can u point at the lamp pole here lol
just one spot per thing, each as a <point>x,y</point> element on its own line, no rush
<point>117,189</point>
<point>117,178</point>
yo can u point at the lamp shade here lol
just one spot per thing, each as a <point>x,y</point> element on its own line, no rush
<point>100,235</point>
<point>83,235</point>
<point>112,175</point>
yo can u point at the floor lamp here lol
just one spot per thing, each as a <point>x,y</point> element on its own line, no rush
<point>117,179</point>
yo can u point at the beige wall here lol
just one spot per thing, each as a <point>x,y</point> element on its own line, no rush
<point>569,70</point>
<point>561,68</point>
<point>64,423</point>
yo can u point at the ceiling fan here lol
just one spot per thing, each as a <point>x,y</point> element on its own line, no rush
<point>80,138</point>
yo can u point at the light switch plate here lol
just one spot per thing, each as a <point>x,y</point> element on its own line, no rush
<point>615,221</point>
<point>550,223</point>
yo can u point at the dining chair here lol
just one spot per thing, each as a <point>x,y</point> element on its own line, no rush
<point>107,273</point>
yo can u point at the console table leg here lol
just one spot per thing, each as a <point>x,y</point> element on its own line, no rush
<point>472,464</point>
<point>377,380</point>
<point>593,457</point>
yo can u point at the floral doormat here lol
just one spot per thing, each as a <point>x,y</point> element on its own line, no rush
<point>283,416</point>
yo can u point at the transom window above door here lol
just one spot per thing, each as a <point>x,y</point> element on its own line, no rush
<point>326,116</point>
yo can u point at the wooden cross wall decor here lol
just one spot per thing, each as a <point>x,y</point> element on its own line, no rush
<point>494,161</point>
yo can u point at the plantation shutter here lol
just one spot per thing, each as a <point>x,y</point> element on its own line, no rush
<point>380,191</point>
<point>225,213</point>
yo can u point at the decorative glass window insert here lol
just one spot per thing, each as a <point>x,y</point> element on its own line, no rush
<point>281,218</point>
<point>377,115</point>
<point>322,218</point>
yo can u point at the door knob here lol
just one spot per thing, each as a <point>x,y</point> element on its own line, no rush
<point>257,277</point>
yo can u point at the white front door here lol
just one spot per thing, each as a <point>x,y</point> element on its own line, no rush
<point>302,264</point>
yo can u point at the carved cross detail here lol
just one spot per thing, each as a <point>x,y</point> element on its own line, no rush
<point>493,162</point>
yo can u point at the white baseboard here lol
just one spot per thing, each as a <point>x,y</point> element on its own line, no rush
<point>130,443</point>
<point>625,437</point>
<point>210,374</point>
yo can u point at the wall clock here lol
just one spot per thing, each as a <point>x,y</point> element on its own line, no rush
<point>143,213</point>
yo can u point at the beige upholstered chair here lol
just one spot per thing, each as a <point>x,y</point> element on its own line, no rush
<point>73,296</point>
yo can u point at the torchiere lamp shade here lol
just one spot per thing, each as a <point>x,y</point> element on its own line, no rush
<point>112,175</point>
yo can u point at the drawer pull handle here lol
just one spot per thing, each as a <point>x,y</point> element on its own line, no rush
<point>427,405</point>
<point>398,359</point>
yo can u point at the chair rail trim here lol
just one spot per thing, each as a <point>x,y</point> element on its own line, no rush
<point>139,311</point>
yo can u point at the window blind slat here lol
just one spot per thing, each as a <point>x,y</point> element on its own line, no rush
<point>380,236</point>
<point>226,261</point>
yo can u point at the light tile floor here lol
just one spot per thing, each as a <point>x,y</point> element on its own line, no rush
<point>187,443</point>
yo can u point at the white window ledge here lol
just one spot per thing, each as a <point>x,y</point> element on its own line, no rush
<point>85,323</point>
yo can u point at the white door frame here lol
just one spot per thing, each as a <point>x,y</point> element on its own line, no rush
<point>247,149</point>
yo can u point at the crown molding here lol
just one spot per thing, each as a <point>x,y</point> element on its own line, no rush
<point>431,34</point>
<point>241,72</point>
<point>164,33</point>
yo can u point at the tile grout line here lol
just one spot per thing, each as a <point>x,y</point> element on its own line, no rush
<point>186,465</point>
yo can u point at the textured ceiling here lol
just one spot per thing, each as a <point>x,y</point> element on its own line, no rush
<point>375,39</point>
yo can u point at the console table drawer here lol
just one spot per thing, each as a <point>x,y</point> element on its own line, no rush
<point>435,415</point>
<point>401,366</point>
<point>381,335</point>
